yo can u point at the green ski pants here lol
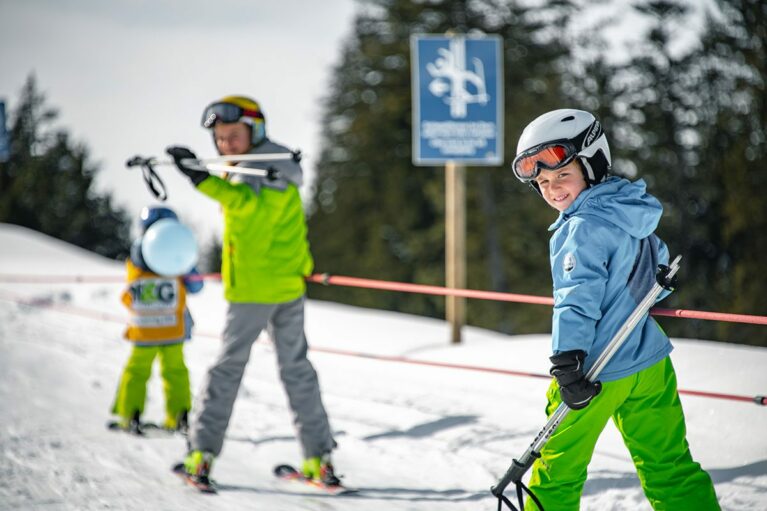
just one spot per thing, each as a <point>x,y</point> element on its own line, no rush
<point>131,392</point>
<point>645,408</point>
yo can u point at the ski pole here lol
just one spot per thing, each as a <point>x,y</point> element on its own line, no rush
<point>663,280</point>
<point>157,186</point>
<point>231,158</point>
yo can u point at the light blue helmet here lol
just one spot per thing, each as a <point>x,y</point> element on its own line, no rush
<point>151,214</point>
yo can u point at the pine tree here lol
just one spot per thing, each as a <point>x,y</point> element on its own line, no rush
<point>732,72</point>
<point>375,215</point>
<point>47,183</point>
<point>692,126</point>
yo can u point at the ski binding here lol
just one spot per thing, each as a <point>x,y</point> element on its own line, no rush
<point>289,473</point>
<point>201,483</point>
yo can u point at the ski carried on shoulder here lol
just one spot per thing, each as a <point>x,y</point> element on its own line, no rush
<point>201,483</point>
<point>290,473</point>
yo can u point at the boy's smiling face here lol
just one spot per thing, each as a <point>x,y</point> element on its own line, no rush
<point>561,187</point>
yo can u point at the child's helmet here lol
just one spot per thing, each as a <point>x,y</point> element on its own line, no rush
<point>242,109</point>
<point>556,138</point>
<point>151,214</point>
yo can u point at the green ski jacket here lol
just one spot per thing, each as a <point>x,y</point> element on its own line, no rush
<point>265,254</point>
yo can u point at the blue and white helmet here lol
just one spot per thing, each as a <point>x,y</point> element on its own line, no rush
<point>151,214</point>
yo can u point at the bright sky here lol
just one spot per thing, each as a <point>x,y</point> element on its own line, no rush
<point>132,77</point>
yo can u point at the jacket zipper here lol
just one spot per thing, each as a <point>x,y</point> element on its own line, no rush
<point>231,264</point>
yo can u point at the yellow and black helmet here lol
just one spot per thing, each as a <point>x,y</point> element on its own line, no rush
<point>242,109</point>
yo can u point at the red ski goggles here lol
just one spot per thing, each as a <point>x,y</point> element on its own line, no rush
<point>550,156</point>
<point>226,113</point>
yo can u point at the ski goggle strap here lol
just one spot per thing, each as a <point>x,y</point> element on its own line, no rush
<point>227,113</point>
<point>551,156</point>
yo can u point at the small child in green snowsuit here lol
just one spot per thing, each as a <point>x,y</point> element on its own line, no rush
<point>160,324</point>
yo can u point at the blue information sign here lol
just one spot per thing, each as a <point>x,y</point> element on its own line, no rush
<point>5,144</point>
<point>457,99</point>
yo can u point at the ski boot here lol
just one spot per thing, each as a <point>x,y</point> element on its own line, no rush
<point>180,423</point>
<point>320,469</point>
<point>131,424</point>
<point>195,471</point>
<point>198,464</point>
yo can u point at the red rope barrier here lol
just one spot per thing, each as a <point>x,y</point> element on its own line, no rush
<point>760,400</point>
<point>60,279</point>
<point>337,280</point>
<point>510,297</point>
<point>710,316</point>
<point>102,316</point>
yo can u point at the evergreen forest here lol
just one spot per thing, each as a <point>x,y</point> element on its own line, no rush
<point>690,123</point>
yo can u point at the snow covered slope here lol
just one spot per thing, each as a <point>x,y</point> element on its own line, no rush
<point>411,437</point>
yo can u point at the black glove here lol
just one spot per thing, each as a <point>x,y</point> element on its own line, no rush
<point>196,173</point>
<point>576,391</point>
<point>661,276</point>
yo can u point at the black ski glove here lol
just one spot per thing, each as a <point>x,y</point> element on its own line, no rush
<point>576,391</point>
<point>195,172</point>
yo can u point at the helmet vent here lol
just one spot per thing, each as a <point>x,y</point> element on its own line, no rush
<point>568,118</point>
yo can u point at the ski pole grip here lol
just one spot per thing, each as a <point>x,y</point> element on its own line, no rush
<point>135,161</point>
<point>666,277</point>
<point>514,475</point>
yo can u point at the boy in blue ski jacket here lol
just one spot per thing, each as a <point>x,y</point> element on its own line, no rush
<point>604,254</point>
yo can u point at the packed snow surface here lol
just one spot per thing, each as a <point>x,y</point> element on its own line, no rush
<point>411,437</point>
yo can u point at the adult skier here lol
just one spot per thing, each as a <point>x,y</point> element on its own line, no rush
<point>265,260</point>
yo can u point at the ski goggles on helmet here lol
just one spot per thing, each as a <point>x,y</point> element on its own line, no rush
<point>227,113</point>
<point>550,156</point>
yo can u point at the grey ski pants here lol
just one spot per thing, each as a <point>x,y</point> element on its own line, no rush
<point>213,406</point>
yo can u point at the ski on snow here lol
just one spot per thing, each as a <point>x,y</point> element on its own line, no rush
<point>203,484</point>
<point>289,473</point>
<point>142,429</point>
<point>283,472</point>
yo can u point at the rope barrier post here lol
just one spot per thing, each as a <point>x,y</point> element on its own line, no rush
<point>455,246</point>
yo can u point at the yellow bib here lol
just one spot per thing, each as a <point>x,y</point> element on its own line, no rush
<point>156,305</point>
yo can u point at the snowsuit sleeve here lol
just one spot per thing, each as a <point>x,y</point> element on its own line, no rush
<point>232,196</point>
<point>193,285</point>
<point>579,267</point>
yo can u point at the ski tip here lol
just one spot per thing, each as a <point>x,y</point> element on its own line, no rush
<point>285,471</point>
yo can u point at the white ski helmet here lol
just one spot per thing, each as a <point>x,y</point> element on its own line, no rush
<point>555,139</point>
